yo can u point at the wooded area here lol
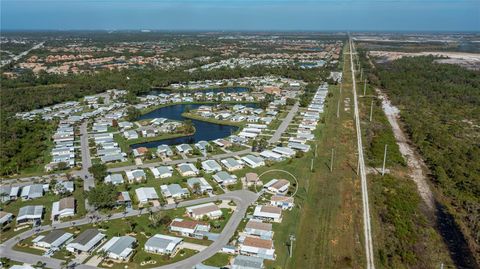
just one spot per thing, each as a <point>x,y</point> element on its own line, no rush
<point>440,106</point>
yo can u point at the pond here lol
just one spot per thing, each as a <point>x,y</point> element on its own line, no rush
<point>204,130</point>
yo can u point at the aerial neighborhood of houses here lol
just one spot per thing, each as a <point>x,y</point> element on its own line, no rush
<point>188,179</point>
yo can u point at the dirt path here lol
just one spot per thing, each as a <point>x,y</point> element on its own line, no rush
<point>414,161</point>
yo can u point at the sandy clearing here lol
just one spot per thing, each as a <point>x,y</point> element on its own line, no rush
<point>414,161</point>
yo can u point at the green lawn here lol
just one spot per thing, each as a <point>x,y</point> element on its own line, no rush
<point>218,260</point>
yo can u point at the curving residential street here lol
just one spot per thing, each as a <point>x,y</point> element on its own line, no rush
<point>242,198</point>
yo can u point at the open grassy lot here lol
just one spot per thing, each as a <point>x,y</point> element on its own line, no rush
<point>218,260</point>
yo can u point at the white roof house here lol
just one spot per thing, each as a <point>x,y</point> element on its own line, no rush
<point>262,248</point>
<point>253,161</point>
<point>86,241</point>
<point>119,248</point>
<point>210,210</point>
<point>259,228</point>
<point>232,164</point>
<point>268,212</point>
<point>270,155</point>
<point>184,148</point>
<point>23,266</point>
<point>247,262</point>
<point>115,179</point>
<point>284,202</point>
<point>32,191</point>
<point>204,185</point>
<point>284,151</point>
<point>137,175</point>
<point>30,213</point>
<point>211,166</point>
<point>162,244</point>
<point>164,150</point>
<point>277,186</point>
<point>5,218</point>
<point>187,169</point>
<point>174,191</point>
<point>63,208</point>
<point>190,228</point>
<point>162,171</point>
<point>224,178</point>
<point>202,145</point>
<point>132,134</point>
<point>146,194</point>
<point>53,240</point>
<point>299,146</point>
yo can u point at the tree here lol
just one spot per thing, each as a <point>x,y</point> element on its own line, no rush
<point>188,127</point>
<point>198,164</point>
<point>196,188</point>
<point>99,171</point>
<point>156,218</point>
<point>62,166</point>
<point>290,101</point>
<point>102,196</point>
<point>132,113</point>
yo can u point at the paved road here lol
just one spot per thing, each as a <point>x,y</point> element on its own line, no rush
<point>243,199</point>
<point>284,125</point>
<point>19,56</point>
<point>363,176</point>
<point>174,162</point>
<point>86,160</point>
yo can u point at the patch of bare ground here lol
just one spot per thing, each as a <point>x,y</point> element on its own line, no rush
<point>415,163</point>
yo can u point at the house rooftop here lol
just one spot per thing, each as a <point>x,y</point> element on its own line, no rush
<point>257,242</point>
<point>86,237</point>
<point>258,225</point>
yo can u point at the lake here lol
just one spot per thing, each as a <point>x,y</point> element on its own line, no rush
<point>204,130</point>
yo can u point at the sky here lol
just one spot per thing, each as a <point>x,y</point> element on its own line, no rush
<point>251,15</point>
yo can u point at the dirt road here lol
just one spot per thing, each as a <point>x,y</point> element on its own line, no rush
<point>414,161</point>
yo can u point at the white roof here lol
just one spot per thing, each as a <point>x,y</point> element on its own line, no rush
<point>146,193</point>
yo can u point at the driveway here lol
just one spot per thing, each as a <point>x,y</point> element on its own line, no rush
<point>193,246</point>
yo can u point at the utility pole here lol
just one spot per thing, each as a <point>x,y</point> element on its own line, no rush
<point>341,85</point>
<point>361,74</point>
<point>311,166</point>
<point>331,159</point>
<point>292,239</point>
<point>365,87</point>
<point>338,108</point>
<point>371,110</point>
<point>384,160</point>
<point>316,146</point>
<point>358,165</point>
